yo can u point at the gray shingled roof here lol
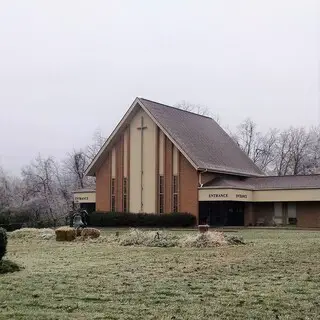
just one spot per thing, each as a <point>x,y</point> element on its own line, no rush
<point>203,140</point>
<point>268,182</point>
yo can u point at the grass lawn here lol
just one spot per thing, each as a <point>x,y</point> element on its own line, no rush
<point>277,276</point>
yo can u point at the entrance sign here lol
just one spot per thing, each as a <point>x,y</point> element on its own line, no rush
<point>224,195</point>
<point>241,196</point>
<point>84,197</point>
<point>218,195</point>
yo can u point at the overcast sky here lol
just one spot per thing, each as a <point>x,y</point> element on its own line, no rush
<point>68,67</point>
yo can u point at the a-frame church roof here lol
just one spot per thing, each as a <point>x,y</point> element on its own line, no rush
<point>200,139</point>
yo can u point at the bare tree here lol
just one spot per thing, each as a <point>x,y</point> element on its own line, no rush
<point>97,142</point>
<point>289,152</point>
<point>259,147</point>
<point>311,163</point>
<point>296,152</point>
<point>248,138</point>
<point>43,189</point>
<point>264,154</point>
<point>300,150</point>
<point>197,108</point>
<point>75,166</point>
<point>4,189</point>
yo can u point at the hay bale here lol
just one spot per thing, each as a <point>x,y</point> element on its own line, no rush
<point>78,232</point>
<point>91,233</point>
<point>65,234</point>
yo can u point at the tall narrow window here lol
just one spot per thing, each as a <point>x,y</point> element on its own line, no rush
<point>161,194</point>
<point>175,204</point>
<point>113,195</point>
<point>125,188</point>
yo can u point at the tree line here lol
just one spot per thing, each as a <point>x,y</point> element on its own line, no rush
<point>42,194</point>
<point>292,151</point>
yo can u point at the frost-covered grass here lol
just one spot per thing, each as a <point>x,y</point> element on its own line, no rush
<point>275,276</point>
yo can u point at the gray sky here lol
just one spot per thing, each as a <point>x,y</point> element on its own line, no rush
<point>69,67</point>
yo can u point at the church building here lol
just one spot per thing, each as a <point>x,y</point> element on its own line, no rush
<point>160,159</point>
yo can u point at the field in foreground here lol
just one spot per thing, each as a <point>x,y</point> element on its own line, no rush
<point>277,276</point>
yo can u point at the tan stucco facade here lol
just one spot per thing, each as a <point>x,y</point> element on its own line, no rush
<point>161,152</point>
<point>125,154</point>
<point>287,195</point>
<point>223,194</point>
<point>175,157</point>
<point>143,187</point>
<point>113,162</point>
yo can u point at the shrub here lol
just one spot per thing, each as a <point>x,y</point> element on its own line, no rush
<point>3,242</point>
<point>136,237</point>
<point>16,218</point>
<point>210,239</point>
<point>204,240</point>
<point>120,219</point>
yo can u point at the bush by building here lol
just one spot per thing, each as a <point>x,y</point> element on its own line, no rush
<point>12,219</point>
<point>120,219</point>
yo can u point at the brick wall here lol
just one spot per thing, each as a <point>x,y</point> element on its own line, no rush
<point>128,170</point>
<point>308,214</point>
<point>103,180</point>
<point>188,187</point>
<point>103,184</point>
<point>157,168</point>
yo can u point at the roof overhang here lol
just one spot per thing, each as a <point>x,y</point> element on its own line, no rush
<point>230,172</point>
